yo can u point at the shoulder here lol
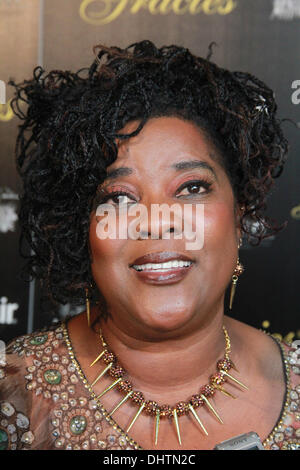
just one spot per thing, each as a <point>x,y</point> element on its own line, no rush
<point>28,356</point>
<point>257,346</point>
<point>22,351</point>
<point>274,354</point>
<point>16,352</point>
<point>279,364</point>
<point>34,341</point>
<point>22,361</point>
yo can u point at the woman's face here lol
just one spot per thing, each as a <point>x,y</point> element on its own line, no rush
<point>160,171</point>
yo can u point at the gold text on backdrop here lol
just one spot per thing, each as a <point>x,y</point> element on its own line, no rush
<point>295,212</point>
<point>99,12</point>
<point>6,113</point>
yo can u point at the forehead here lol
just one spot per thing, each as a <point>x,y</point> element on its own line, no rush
<point>162,130</point>
<point>165,140</point>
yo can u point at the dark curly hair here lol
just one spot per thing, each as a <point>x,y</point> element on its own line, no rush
<point>71,123</point>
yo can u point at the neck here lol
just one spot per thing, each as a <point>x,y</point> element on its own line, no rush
<point>168,365</point>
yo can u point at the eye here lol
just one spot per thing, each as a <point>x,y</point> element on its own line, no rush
<point>196,187</point>
<point>118,198</point>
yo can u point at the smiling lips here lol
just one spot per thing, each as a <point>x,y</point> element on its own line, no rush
<point>162,267</point>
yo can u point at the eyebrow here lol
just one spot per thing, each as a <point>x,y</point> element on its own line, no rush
<point>179,166</point>
<point>192,164</point>
<point>122,171</point>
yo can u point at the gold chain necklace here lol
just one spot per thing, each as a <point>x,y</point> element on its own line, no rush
<point>152,408</point>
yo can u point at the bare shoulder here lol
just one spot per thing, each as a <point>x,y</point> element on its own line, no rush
<point>259,350</point>
<point>248,334</point>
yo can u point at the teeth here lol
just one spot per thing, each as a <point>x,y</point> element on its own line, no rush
<point>162,266</point>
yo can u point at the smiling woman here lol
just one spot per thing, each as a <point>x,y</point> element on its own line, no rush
<point>153,362</point>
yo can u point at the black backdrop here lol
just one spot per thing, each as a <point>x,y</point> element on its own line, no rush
<point>257,36</point>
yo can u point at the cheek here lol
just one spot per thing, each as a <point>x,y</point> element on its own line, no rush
<point>105,252</point>
<point>218,256</point>
<point>219,227</point>
<point>220,243</point>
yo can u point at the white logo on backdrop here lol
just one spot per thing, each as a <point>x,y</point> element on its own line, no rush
<point>8,210</point>
<point>8,3</point>
<point>2,92</point>
<point>7,311</point>
<point>286,9</point>
<point>296,94</point>
<point>2,355</point>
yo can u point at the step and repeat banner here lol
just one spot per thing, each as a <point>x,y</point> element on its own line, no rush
<point>257,36</point>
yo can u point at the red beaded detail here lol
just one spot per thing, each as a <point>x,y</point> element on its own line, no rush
<point>165,411</point>
<point>182,408</point>
<point>108,357</point>
<point>196,401</point>
<point>207,390</point>
<point>224,364</point>
<point>125,386</point>
<point>151,407</point>
<point>217,379</point>
<point>116,372</point>
<point>137,397</point>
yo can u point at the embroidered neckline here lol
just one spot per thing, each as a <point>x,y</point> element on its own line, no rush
<point>105,413</point>
<point>286,400</point>
<point>86,384</point>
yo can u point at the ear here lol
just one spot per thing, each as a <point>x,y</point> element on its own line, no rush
<point>238,212</point>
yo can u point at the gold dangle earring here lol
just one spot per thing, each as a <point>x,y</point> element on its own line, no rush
<point>88,308</point>
<point>237,272</point>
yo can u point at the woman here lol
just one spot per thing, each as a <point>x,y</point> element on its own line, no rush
<point>153,362</point>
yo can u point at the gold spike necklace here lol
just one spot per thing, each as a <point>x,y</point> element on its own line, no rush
<point>150,407</point>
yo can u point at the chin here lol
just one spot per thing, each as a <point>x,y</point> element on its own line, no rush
<point>166,322</point>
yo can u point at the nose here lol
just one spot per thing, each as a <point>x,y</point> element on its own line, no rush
<point>158,221</point>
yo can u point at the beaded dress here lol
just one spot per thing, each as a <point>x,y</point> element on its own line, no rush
<point>46,402</point>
